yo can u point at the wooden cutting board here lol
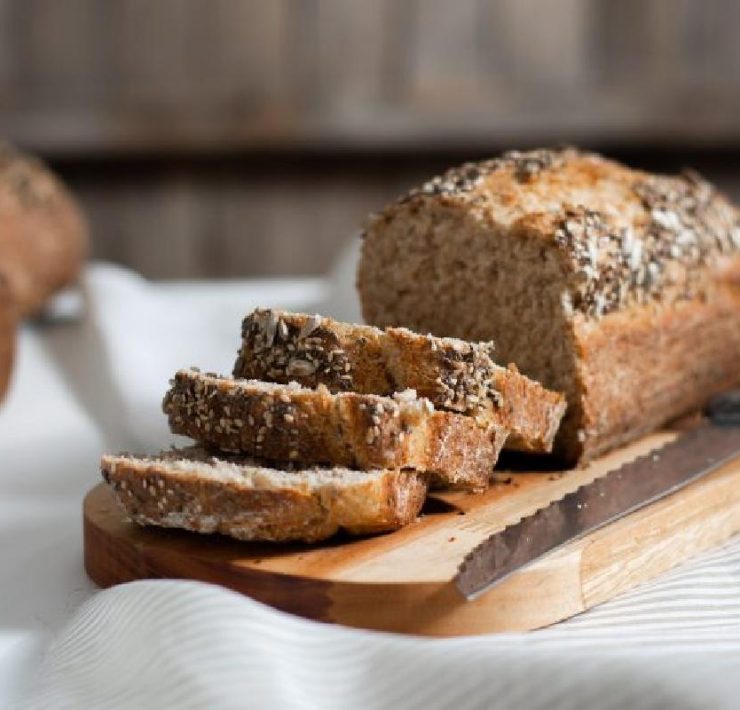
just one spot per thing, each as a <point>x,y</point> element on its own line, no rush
<point>402,581</point>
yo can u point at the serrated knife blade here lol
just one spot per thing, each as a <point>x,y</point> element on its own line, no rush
<point>606,499</point>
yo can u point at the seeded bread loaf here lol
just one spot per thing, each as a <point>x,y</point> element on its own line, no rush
<point>617,287</point>
<point>292,423</point>
<point>7,335</point>
<point>194,490</point>
<point>43,237</point>
<point>453,374</point>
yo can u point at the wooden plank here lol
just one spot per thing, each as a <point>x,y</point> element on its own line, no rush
<point>63,51</point>
<point>622,31</point>
<point>246,58</point>
<point>384,582</point>
<point>9,52</point>
<point>350,47</point>
<point>540,50</point>
<point>446,71</point>
<point>707,63</point>
<point>159,229</point>
<point>167,225</point>
<point>153,55</point>
<point>725,61</point>
<point>91,78</point>
<point>174,220</point>
<point>270,225</point>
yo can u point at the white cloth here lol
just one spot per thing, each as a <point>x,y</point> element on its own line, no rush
<point>84,387</point>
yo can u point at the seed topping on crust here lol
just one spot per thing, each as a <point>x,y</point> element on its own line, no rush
<point>467,382</point>
<point>526,165</point>
<point>687,225</point>
<point>276,348</point>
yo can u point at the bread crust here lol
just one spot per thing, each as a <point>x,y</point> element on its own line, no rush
<point>624,264</point>
<point>44,236</point>
<point>291,423</point>
<point>7,335</point>
<point>247,501</point>
<point>679,357</point>
<point>456,375</point>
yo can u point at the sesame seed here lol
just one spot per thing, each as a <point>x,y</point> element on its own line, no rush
<point>282,330</point>
<point>300,368</point>
<point>310,326</point>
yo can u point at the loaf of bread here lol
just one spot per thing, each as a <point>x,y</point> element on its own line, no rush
<point>617,287</point>
<point>293,423</point>
<point>7,335</point>
<point>195,490</point>
<point>43,235</point>
<point>453,374</point>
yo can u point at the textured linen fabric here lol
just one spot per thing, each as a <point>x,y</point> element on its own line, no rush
<point>674,643</point>
<point>189,645</point>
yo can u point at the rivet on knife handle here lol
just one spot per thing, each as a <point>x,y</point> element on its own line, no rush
<point>606,499</point>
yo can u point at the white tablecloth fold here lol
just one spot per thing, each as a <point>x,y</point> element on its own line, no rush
<point>189,645</point>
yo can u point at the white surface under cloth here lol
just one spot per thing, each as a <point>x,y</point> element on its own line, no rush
<point>82,387</point>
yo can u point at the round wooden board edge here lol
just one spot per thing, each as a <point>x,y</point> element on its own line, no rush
<point>577,577</point>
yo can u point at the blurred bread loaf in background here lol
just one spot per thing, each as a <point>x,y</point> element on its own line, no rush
<point>43,244</point>
<point>43,234</point>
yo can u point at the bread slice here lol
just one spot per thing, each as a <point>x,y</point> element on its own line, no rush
<point>194,490</point>
<point>293,423</point>
<point>453,374</point>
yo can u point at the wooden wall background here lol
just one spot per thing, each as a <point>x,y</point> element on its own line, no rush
<point>241,137</point>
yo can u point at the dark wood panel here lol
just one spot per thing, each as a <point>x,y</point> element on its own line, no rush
<point>187,77</point>
<point>275,217</point>
<point>64,52</point>
<point>9,54</point>
<point>177,225</point>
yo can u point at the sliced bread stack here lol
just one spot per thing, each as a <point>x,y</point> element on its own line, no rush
<point>327,426</point>
<point>453,374</point>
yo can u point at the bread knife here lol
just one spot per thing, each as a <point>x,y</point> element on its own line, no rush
<point>695,453</point>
